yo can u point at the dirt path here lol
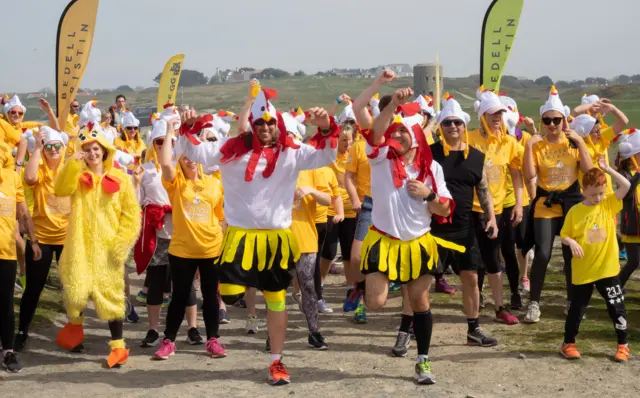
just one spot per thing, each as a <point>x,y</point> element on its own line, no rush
<point>357,364</point>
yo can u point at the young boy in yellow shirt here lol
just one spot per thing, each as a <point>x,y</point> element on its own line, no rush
<point>590,231</point>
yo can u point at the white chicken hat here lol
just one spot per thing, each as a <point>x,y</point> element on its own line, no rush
<point>583,124</point>
<point>170,113</point>
<point>408,115</point>
<point>629,143</point>
<point>90,113</point>
<point>51,135</point>
<point>488,102</point>
<point>426,104</point>
<point>129,120</point>
<point>452,108</point>
<point>262,107</point>
<point>294,123</point>
<point>511,116</point>
<point>222,124</point>
<point>554,103</point>
<point>347,113</point>
<point>589,99</point>
<point>10,103</point>
<point>374,103</point>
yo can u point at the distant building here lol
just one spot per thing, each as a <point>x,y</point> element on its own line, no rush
<point>401,70</point>
<point>424,79</point>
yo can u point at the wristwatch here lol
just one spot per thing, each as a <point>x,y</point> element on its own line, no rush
<point>431,197</point>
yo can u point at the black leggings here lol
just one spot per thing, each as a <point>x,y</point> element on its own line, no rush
<point>611,292</point>
<point>37,273</point>
<point>545,230</point>
<point>317,278</point>
<point>158,280</point>
<point>183,270</point>
<point>508,248</point>
<point>633,260</point>
<point>7,286</point>
<point>342,232</point>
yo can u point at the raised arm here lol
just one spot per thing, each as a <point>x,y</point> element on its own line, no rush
<point>53,120</point>
<point>207,153</point>
<point>323,147</point>
<point>243,117</point>
<point>621,119</point>
<point>383,121</point>
<point>585,157</point>
<point>165,155</point>
<point>339,100</point>
<point>528,165</point>
<point>31,171</point>
<point>363,117</point>
<point>623,183</point>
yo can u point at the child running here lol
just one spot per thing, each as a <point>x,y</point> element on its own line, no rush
<point>589,231</point>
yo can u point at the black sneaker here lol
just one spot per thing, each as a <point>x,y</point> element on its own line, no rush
<point>193,337</point>
<point>316,341</point>
<point>11,363</point>
<point>131,314</point>
<point>20,341</point>
<point>223,316</point>
<point>403,342</point>
<point>479,339</point>
<point>151,340</point>
<point>267,347</point>
<point>516,301</point>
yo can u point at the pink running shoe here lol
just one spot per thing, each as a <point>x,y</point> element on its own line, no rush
<point>215,349</point>
<point>504,316</point>
<point>443,287</point>
<point>167,349</point>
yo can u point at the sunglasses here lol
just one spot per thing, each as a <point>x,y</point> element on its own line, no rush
<point>51,147</point>
<point>555,120</point>
<point>75,106</point>
<point>449,122</point>
<point>132,128</point>
<point>262,122</point>
<point>16,113</point>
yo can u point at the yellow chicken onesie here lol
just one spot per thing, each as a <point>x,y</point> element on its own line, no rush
<point>103,226</point>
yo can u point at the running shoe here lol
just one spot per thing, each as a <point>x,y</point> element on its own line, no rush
<point>622,355</point>
<point>570,351</point>
<point>504,316</point>
<point>443,287</point>
<point>167,349</point>
<point>297,297</point>
<point>623,255</point>
<point>241,303</point>
<point>423,374</point>
<point>317,342</point>
<point>267,346</point>
<point>525,285</point>
<point>215,348</point>
<point>132,315</point>
<point>166,301</point>
<point>360,316</point>
<point>194,337</point>
<point>18,287</point>
<point>394,287</point>
<point>10,362</point>
<point>151,339</point>
<point>278,373</point>
<point>478,338</point>
<point>333,270</point>
<point>403,342</point>
<point>516,302</point>
<point>141,297</point>
<point>448,270</point>
<point>23,281</point>
<point>20,341</point>
<point>223,316</point>
<point>252,324</point>
<point>352,301</point>
<point>533,313</point>
<point>338,260</point>
<point>323,307</point>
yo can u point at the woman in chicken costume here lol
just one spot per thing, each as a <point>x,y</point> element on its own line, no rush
<point>259,173</point>
<point>103,226</point>
<point>408,188</point>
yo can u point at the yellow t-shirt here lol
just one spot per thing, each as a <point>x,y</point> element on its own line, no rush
<point>557,166</point>
<point>594,229</point>
<point>339,168</point>
<point>597,149</point>
<point>510,200</point>
<point>500,156</point>
<point>332,181</point>
<point>196,227</point>
<point>50,212</point>
<point>71,125</point>
<point>27,191</point>
<point>303,225</point>
<point>358,164</point>
<point>10,194</point>
<point>132,147</point>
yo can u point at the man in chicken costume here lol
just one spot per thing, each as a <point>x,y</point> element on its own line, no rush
<point>103,226</point>
<point>259,171</point>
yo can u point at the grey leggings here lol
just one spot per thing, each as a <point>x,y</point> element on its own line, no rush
<point>305,268</point>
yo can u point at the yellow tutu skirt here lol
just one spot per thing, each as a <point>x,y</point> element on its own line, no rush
<point>402,261</point>
<point>256,258</point>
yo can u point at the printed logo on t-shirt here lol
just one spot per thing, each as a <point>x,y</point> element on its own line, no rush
<point>596,234</point>
<point>494,173</point>
<point>559,165</point>
<point>199,212</point>
<point>59,206</point>
<point>7,206</point>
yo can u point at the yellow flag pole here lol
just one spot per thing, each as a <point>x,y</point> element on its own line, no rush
<point>437,99</point>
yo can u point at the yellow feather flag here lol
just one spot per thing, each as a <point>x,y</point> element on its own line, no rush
<point>498,33</point>
<point>169,81</point>
<point>73,46</point>
<point>438,88</point>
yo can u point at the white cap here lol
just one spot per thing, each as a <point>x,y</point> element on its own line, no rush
<point>10,103</point>
<point>583,124</point>
<point>554,103</point>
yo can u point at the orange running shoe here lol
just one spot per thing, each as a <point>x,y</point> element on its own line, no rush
<point>622,355</point>
<point>570,351</point>
<point>278,373</point>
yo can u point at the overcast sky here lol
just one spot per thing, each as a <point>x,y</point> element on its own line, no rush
<point>565,39</point>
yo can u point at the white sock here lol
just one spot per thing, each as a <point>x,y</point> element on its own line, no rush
<point>275,357</point>
<point>422,358</point>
